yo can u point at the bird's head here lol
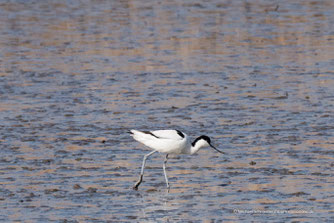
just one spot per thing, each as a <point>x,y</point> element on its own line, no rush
<point>204,141</point>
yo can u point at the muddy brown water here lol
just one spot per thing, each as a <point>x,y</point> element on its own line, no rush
<point>256,76</point>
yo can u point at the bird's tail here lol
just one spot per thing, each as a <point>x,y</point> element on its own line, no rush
<point>140,136</point>
<point>135,132</point>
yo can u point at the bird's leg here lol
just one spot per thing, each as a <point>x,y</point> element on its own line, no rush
<point>135,187</point>
<point>164,167</point>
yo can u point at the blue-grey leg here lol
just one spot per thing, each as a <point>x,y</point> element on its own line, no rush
<point>164,167</point>
<point>135,187</point>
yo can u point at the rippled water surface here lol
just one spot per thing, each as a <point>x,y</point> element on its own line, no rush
<point>256,76</point>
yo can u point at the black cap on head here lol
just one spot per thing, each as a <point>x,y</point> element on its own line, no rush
<point>206,138</point>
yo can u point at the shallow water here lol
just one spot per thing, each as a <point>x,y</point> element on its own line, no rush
<point>256,76</point>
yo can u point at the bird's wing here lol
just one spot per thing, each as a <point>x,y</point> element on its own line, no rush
<point>169,134</point>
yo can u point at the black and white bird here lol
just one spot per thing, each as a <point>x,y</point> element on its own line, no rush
<point>169,142</point>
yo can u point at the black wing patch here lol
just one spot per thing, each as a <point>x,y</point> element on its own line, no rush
<point>180,133</point>
<point>150,133</point>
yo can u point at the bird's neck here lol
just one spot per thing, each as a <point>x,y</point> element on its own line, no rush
<point>194,148</point>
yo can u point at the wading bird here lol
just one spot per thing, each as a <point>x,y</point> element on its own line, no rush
<point>169,142</point>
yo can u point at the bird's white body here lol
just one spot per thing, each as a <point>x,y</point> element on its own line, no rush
<point>165,141</point>
<point>169,142</point>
